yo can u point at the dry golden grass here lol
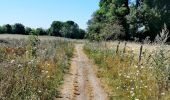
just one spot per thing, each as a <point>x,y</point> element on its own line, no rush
<point>31,69</point>
<point>124,78</point>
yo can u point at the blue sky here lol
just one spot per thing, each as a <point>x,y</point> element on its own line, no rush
<point>41,13</point>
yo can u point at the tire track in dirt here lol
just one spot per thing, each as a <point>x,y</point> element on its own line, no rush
<point>81,83</point>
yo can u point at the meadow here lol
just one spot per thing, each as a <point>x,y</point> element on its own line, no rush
<point>132,71</point>
<point>32,68</point>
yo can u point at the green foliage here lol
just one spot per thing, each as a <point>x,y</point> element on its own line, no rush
<point>110,11</point>
<point>55,28</point>
<point>28,30</point>
<point>151,15</point>
<point>18,29</point>
<point>68,29</point>
<point>34,42</point>
<point>7,28</point>
<point>1,30</point>
<point>41,31</point>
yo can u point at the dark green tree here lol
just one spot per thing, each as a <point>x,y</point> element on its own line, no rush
<point>55,28</point>
<point>19,28</point>
<point>70,29</point>
<point>82,34</point>
<point>110,11</point>
<point>8,28</point>
<point>1,30</point>
<point>41,31</point>
<point>28,30</point>
<point>150,18</point>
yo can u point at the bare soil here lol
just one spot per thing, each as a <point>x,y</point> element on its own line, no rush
<point>81,83</point>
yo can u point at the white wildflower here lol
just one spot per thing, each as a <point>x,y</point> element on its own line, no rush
<point>162,93</point>
<point>128,76</point>
<point>19,65</point>
<point>12,61</point>
<point>131,92</point>
<point>39,91</point>
<point>46,72</point>
<point>136,66</point>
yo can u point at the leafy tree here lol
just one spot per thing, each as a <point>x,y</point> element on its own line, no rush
<point>41,31</point>
<point>150,18</point>
<point>7,28</point>
<point>19,28</point>
<point>55,28</point>
<point>1,30</point>
<point>82,34</point>
<point>110,11</point>
<point>28,30</point>
<point>70,29</point>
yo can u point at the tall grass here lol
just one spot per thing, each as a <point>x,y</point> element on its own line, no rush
<point>131,75</point>
<point>31,69</point>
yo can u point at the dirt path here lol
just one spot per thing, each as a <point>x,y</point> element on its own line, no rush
<point>81,83</point>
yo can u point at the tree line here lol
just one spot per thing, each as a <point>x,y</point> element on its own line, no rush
<point>68,29</point>
<point>125,20</point>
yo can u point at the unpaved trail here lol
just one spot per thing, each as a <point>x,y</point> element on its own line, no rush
<point>81,83</point>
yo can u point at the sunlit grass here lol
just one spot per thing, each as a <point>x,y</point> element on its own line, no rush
<point>24,76</point>
<point>123,77</point>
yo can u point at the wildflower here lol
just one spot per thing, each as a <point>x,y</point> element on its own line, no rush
<point>27,52</point>
<point>136,66</point>
<point>146,86</point>
<point>19,65</point>
<point>39,91</point>
<point>162,93</point>
<point>131,92</point>
<point>128,76</point>
<point>46,72</point>
<point>138,71</point>
<point>136,99</point>
<point>31,62</point>
<point>42,71</point>
<point>12,61</point>
<point>141,81</point>
<point>132,88</point>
